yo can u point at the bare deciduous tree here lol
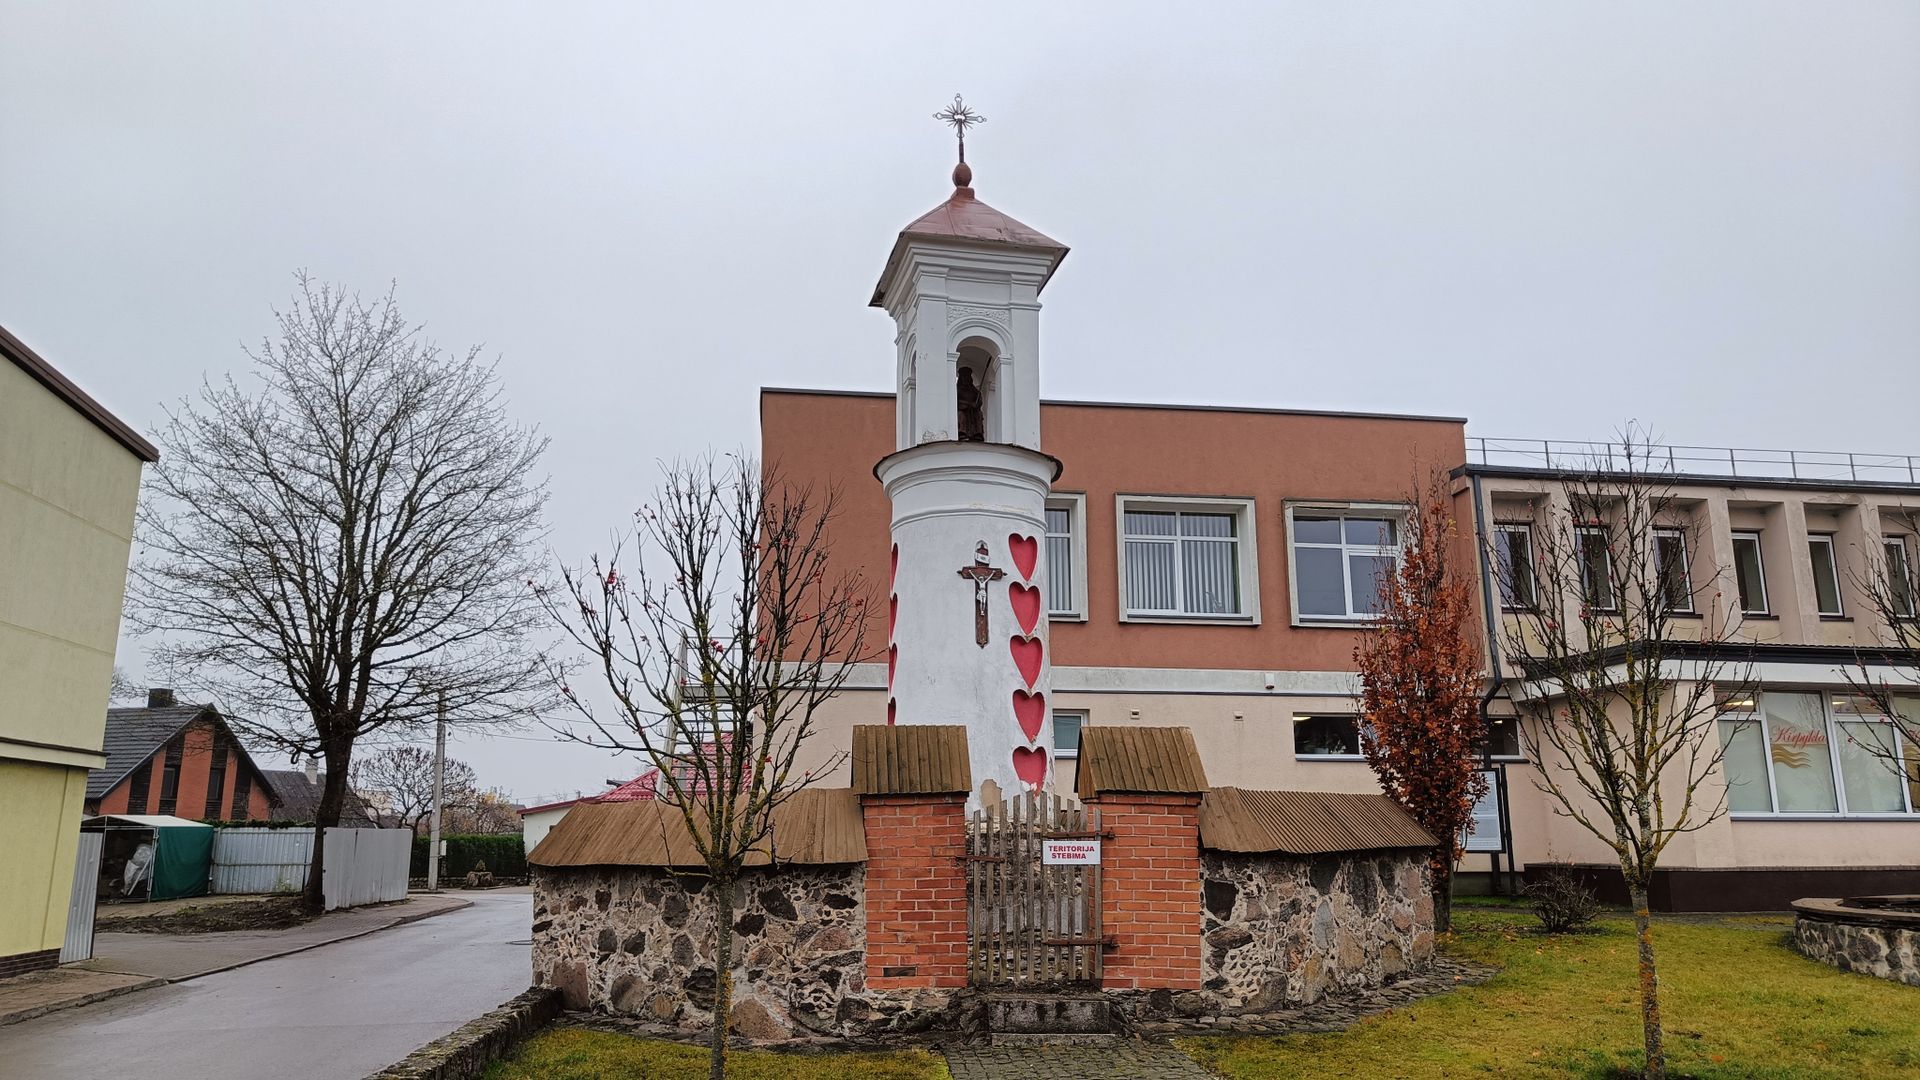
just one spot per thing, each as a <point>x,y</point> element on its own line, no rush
<point>486,813</point>
<point>1889,676</point>
<point>1623,706</point>
<point>399,780</point>
<point>719,635</point>
<point>348,547</point>
<point>121,686</point>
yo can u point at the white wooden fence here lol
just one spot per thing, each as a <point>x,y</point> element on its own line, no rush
<point>360,866</point>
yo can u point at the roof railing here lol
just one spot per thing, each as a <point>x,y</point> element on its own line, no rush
<point>1717,461</point>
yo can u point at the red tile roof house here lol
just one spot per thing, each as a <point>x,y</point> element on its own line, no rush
<point>535,821</point>
<point>170,758</point>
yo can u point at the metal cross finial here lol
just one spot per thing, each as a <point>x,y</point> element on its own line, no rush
<point>959,116</point>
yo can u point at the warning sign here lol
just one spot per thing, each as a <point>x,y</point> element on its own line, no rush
<point>1070,852</point>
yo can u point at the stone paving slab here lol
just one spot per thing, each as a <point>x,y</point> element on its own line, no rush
<point>37,993</point>
<point>1126,1060</point>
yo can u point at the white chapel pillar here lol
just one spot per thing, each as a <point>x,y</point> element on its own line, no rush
<point>967,613</point>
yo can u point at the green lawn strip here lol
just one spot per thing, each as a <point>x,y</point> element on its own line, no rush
<point>580,1054</point>
<point>1739,1002</point>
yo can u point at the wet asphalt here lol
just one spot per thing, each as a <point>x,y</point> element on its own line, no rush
<point>341,1010</point>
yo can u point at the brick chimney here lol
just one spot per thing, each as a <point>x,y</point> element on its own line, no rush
<point>160,697</point>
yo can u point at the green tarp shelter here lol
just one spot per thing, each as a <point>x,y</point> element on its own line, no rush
<point>182,850</point>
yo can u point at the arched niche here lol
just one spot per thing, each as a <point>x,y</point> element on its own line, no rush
<point>976,361</point>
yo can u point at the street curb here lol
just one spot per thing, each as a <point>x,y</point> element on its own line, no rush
<point>403,920</point>
<point>468,1051</point>
<point>37,1011</point>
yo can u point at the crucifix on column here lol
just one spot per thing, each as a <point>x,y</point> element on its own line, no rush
<point>980,574</point>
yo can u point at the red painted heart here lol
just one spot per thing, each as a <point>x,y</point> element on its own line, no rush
<point>1030,765</point>
<point>893,615</point>
<point>893,660</point>
<point>890,712</point>
<point>1031,711</point>
<point>1026,656</point>
<point>893,570</point>
<point>1025,551</point>
<point>1026,605</point>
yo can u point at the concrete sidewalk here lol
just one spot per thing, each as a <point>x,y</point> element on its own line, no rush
<point>123,963</point>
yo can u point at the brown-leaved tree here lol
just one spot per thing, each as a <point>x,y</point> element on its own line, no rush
<point>1420,678</point>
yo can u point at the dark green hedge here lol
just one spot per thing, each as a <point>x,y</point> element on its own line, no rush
<point>504,855</point>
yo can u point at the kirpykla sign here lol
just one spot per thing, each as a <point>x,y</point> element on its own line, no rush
<point>1070,852</point>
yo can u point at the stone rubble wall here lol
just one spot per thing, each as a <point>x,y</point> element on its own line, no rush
<point>1283,930</point>
<point>639,942</point>
<point>1890,952</point>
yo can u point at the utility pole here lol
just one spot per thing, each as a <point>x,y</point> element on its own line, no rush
<point>439,781</point>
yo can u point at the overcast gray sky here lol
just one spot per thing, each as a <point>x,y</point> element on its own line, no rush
<point>1547,218</point>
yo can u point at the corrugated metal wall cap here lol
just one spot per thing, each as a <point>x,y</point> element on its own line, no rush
<point>1305,822</point>
<point>815,826</point>
<point>911,759</point>
<point>1139,761</point>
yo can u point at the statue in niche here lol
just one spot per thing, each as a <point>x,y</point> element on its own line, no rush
<point>973,423</point>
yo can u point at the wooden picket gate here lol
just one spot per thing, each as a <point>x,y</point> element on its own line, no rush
<point>1031,926</point>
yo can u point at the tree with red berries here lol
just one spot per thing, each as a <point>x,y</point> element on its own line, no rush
<point>1420,686</point>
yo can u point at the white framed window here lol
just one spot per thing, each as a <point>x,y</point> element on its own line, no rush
<point>1327,736</point>
<point>1826,574</point>
<point>1066,732</point>
<point>1596,567</point>
<point>1513,557</point>
<point>1817,754</point>
<point>1066,538</point>
<point>1187,559</point>
<point>1670,562</point>
<point>1750,573</point>
<point>1336,557</point>
<point>1901,588</point>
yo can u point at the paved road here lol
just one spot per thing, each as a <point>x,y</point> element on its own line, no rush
<point>342,1010</point>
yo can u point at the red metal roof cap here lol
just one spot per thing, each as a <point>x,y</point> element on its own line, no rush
<point>964,217</point>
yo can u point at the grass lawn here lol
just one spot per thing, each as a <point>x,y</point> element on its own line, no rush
<point>578,1054</point>
<point>1738,1002</point>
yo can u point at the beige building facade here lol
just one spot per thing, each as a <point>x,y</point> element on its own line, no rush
<point>69,482</point>
<point>1774,570</point>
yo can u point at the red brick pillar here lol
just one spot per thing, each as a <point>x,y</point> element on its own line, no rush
<point>916,890</point>
<point>1150,890</point>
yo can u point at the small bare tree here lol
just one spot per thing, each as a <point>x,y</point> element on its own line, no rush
<point>1624,705</point>
<point>345,550</point>
<point>399,779</point>
<point>719,629</point>
<point>1888,676</point>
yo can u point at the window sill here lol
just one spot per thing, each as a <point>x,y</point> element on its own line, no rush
<point>1334,622</point>
<point>1755,815</point>
<point>1329,757</point>
<point>1759,615</point>
<point>1192,620</point>
<point>1066,616</point>
<point>1836,618</point>
<point>1691,616</point>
